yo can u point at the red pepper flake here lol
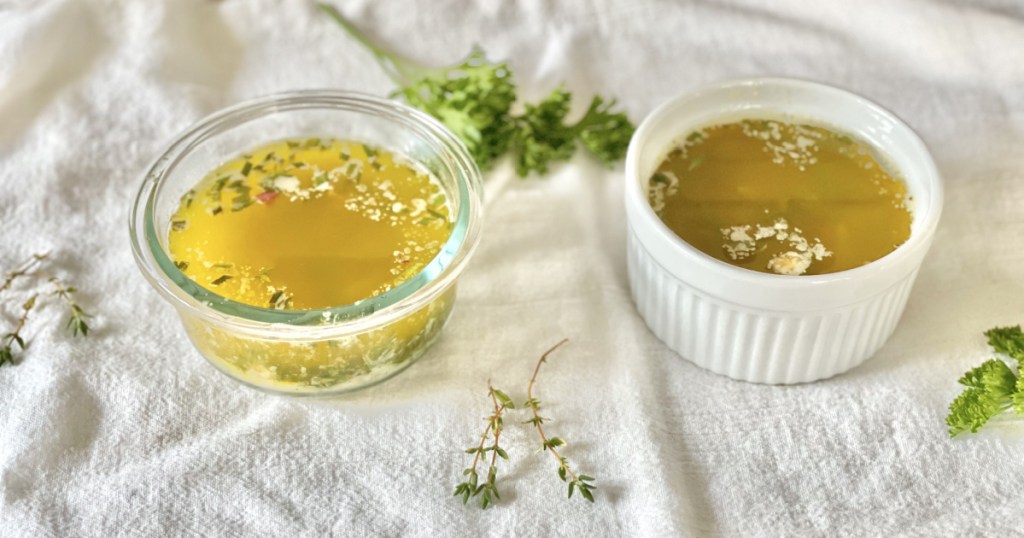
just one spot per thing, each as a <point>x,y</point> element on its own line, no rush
<point>266,197</point>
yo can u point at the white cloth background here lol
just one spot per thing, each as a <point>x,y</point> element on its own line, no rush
<point>130,432</point>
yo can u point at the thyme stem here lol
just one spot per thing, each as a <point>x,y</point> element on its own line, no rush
<point>26,308</point>
<point>76,323</point>
<point>23,270</point>
<point>488,490</point>
<point>487,432</point>
<point>495,425</point>
<point>535,408</point>
<point>14,337</point>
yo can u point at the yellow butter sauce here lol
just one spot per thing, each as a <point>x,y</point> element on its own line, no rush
<point>309,224</point>
<point>312,224</point>
<point>780,197</point>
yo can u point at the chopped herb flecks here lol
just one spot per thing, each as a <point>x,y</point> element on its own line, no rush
<point>351,179</point>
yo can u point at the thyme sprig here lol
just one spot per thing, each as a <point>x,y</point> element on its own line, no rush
<point>76,321</point>
<point>580,482</point>
<point>502,404</point>
<point>33,268</point>
<point>25,269</point>
<point>14,337</point>
<point>488,491</point>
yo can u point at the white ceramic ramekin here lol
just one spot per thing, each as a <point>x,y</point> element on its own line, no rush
<point>761,327</point>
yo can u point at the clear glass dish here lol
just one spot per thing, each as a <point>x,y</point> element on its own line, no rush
<point>310,352</point>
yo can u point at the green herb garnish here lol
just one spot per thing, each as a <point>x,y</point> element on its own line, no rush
<point>354,170</point>
<point>14,337</point>
<point>695,162</point>
<point>474,99</point>
<point>188,197</point>
<point>267,182</point>
<point>218,186</point>
<point>76,322</point>
<point>220,280</point>
<point>992,388</point>
<point>243,196</point>
<point>488,491</point>
<point>566,474</point>
<point>34,269</point>
<point>279,300</point>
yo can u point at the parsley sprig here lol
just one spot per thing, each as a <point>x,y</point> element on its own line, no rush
<point>475,99</point>
<point>992,388</point>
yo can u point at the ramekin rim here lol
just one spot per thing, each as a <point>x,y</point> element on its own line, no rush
<point>638,208</point>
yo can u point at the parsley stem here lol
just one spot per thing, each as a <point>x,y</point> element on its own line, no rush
<point>401,71</point>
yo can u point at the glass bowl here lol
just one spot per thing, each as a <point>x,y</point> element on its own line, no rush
<point>763,327</point>
<point>310,352</point>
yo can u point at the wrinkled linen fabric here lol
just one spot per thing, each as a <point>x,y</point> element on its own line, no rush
<point>130,432</point>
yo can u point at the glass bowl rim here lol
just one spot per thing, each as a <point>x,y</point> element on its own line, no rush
<point>394,304</point>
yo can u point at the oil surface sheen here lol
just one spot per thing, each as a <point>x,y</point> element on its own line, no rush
<point>781,197</point>
<point>309,224</point>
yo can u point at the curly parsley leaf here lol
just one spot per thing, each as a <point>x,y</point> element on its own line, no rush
<point>1018,397</point>
<point>1007,340</point>
<point>992,388</point>
<point>475,98</point>
<point>541,136</point>
<point>605,133</point>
